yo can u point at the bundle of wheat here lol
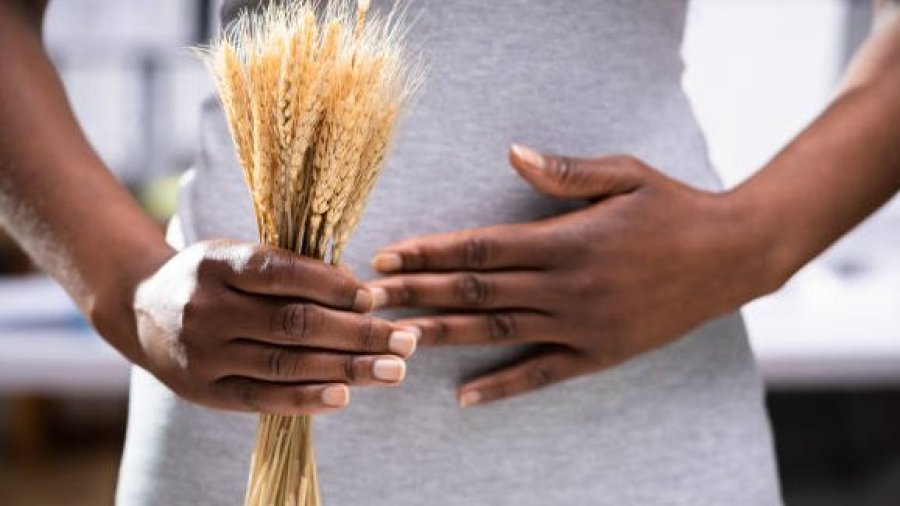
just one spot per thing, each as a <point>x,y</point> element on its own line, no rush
<point>312,95</point>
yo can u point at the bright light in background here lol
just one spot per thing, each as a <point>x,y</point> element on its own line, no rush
<point>758,72</point>
<point>134,85</point>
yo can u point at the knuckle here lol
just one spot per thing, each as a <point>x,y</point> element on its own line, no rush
<point>345,288</point>
<point>264,265</point>
<point>296,321</point>
<point>273,267</point>
<point>473,291</point>
<point>582,286</point>
<point>368,334</point>
<point>275,363</point>
<point>302,397</point>
<point>500,390</point>
<point>476,251</point>
<point>441,331</point>
<point>348,364</point>
<point>501,326</point>
<point>405,293</point>
<point>562,169</point>
<point>572,241</point>
<point>208,268</point>
<point>213,262</point>
<point>191,311</point>
<point>414,259</point>
<point>198,316</point>
<point>631,161</point>
<point>538,375</point>
<point>628,164</point>
<point>282,364</point>
<point>247,395</point>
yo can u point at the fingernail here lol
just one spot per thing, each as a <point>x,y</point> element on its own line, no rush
<point>379,297</point>
<point>469,398</point>
<point>402,342</point>
<point>387,262</point>
<point>529,156</point>
<point>364,300</point>
<point>389,369</point>
<point>336,396</point>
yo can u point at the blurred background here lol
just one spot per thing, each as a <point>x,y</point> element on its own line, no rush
<point>828,344</point>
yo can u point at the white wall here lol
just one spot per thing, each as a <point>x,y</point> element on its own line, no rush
<point>99,47</point>
<point>758,72</point>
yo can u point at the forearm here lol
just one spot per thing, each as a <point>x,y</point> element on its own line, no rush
<point>56,197</point>
<point>839,170</point>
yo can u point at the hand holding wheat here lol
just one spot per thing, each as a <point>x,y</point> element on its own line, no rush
<point>255,328</point>
<point>312,98</point>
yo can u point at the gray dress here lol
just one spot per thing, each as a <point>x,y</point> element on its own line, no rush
<point>683,425</point>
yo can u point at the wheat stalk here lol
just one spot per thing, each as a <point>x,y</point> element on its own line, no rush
<point>312,97</point>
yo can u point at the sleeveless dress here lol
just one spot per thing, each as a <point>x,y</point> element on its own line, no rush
<point>682,425</point>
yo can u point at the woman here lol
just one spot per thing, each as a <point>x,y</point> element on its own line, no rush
<point>603,272</point>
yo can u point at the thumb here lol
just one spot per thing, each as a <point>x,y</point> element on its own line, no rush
<point>579,178</point>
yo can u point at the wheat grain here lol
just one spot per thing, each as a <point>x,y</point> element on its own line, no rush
<point>312,98</point>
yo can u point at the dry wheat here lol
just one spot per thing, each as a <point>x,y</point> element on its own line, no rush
<point>312,96</point>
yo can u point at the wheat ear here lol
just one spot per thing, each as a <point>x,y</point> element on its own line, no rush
<point>312,98</point>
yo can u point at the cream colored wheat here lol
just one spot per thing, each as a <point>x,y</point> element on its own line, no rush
<point>312,95</point>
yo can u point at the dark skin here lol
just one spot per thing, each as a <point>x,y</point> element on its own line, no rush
<point>647,248</point>
<point>232,326</point>
<point>244,327</point>
<point>649,258</point>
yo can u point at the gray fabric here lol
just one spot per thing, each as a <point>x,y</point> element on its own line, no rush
<point>684,425</point>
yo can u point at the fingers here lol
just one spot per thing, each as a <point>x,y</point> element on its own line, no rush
<point>547,367</point>
<point>309,325</point>
<point>522,246</point>
<point>462,290</point>
<point>272,271</point>
<point>295,365</point>
<point>576,178</point>
<point>489,328</point>
<point>490,248</point>
<point>246,394</point>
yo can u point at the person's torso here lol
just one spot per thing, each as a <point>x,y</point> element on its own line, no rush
<point>681,425</point>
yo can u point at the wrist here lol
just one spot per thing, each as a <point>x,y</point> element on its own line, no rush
<point>111,308</point>
<point>768,254</point>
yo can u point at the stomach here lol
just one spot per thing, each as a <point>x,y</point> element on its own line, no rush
<point>678,419</point>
